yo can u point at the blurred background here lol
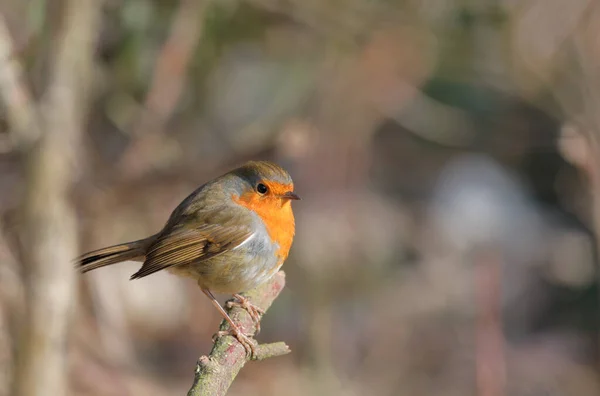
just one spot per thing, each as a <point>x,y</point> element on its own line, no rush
<point>448,157</point>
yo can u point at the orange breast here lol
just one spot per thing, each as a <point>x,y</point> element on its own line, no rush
<point>277,216</point>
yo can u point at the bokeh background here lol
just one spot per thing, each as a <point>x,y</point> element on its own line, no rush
<point>448,157</point>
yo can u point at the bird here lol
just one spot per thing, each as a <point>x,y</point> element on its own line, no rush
<point>230,235</point>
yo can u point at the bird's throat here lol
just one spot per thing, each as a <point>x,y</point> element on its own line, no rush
<point>277,217</point>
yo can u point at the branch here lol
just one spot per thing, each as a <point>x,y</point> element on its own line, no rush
<point>215,373</point>
<point>49,225</point>
<point>168,80</point>
<point>15,95</point>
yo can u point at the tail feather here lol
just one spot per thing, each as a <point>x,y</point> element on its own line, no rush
<point>134,251</point>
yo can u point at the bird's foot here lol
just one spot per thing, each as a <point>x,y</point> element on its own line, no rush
<point>244,339</point>
<point>254,311</point>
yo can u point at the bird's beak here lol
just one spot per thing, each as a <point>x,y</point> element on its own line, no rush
<point>290,195</point>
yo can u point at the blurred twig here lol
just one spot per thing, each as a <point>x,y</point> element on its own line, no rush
<point>167,82</point>
<point>570,47</point>
<point>491,368</point>
<point>340,24</point>
<point>15,95</point>
<point>215,373</point>
<point>584,43</point>
<point>48,231</point>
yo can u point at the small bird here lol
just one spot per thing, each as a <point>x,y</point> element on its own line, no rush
<point>231,235</point>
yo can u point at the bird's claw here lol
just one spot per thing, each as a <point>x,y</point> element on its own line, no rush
<point>244,339</point>
<point>254,311</point>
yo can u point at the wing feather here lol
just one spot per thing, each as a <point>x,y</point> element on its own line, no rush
<point>185,246</point>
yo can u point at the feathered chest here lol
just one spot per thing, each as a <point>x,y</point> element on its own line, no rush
<point>277,218</point>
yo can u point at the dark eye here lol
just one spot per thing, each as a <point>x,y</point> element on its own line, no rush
<point>261,188</point>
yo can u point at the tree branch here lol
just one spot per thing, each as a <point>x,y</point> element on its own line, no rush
<point>15,95</point>
<point>48,233</point>
<point>168,80</point>
<point>215,373</point>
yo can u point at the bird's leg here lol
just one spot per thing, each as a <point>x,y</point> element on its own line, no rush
<point>235,330</point>
<point>254,311</point>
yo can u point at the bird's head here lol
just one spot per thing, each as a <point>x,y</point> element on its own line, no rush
<point>264,184</point>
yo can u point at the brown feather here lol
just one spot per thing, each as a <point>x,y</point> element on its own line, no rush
<point>185,246</point>
<point>113,254</point>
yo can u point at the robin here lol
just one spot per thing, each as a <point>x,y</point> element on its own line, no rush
<point>230,235</point>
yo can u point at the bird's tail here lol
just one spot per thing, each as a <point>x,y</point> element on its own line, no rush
<point>134,251</point>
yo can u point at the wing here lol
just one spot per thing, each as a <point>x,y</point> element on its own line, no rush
<point>184,246</point>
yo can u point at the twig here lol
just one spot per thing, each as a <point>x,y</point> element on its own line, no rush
<point>167,81</point>
<point>590,95</point>
<point>491,366</point>
<point>15,95</point>
<point>216,372</point>
<point>171,66</point>
<point>49,230</point>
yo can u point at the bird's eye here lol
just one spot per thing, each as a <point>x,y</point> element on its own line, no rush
<point>261,188</point>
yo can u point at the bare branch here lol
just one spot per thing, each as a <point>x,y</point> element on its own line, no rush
<point>167,82</point>
<point>14,93</point>
<point>49,231</point>
<point>216,372</point>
